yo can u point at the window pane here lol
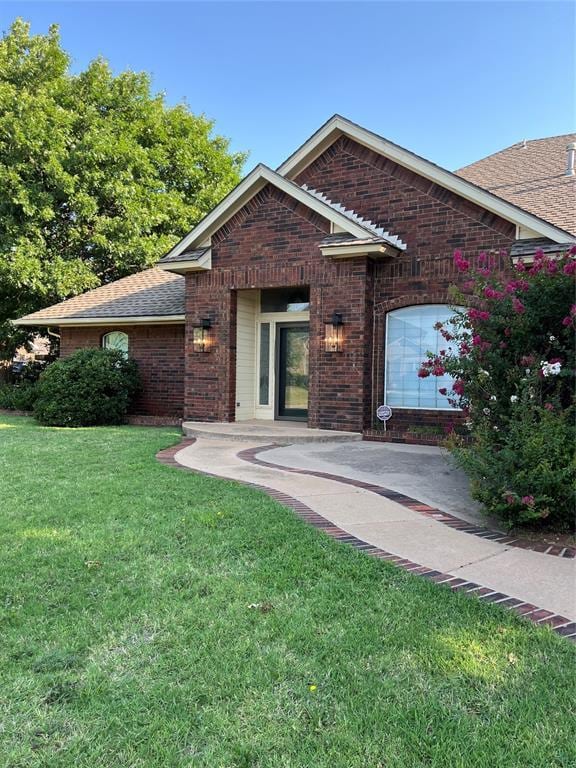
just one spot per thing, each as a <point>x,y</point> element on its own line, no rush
<point>410,335</point>
<point>116,340</point>
<point>285,299</point>
<point>264,370</point>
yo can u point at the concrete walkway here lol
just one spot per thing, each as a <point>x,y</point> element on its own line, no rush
<point>530,577</point>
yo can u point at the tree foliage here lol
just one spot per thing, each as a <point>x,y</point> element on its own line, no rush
<point>98,176</point>
<point>512,356</point>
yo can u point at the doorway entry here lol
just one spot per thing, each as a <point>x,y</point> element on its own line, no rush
<point>292,370</point>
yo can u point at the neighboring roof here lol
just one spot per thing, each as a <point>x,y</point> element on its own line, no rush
<point>154,295</point>
<point>254,183</point>
<point>340,126</point>
<point>531,174</point>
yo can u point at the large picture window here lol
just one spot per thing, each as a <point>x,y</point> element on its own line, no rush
<point>410,334</point>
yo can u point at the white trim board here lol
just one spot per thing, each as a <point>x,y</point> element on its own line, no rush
<point>244,192</point>
<point>80,321</point>
<point>339,126</point>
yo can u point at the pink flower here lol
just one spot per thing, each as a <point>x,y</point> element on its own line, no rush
<point>567,321</point>
<point>549,406</point>
<point>570,268</point>
<point>460,263</point>
<point>438,370</point>
<point>443,390</point>
<point>539,254</point>
<point>518,307</point>
<point>423,373</point>
<point>572,251</point>
<point>464,348</point>
<point>520,266</point>
<point>458,387</point>
<point>484,271</point>
<point>469,285</point>
<point>476,341</point>
<point>503,345</point>
<point>551,266</point>
<point>573,310</point>
<point>478,314</point>
<point>510,499</point>
<point>528,500</point>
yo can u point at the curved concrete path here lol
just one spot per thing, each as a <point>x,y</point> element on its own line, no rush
<point>525,580</point>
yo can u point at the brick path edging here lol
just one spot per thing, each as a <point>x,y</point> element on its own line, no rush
<point>559,624</point>
<point>251,455</point>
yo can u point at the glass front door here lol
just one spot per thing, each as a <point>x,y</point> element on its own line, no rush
<point>293,356</point>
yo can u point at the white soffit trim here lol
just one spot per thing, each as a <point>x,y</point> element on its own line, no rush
<point>338,126</point>
<point>245,191</point>
<point>134,320</point>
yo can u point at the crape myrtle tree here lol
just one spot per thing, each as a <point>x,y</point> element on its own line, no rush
<point>98,176</point>
<point>511,355</point>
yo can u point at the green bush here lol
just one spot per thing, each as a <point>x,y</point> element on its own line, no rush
<point>18,397</point>
<point>91,387</point>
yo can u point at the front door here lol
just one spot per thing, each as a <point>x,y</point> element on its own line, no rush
<point>292,371</point>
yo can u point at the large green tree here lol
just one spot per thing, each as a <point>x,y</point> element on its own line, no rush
<point>98,176</point>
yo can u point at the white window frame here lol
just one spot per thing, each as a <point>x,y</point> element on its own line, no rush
<point>448,408</point>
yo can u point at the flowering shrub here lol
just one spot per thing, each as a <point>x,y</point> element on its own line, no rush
<point>511,355</point>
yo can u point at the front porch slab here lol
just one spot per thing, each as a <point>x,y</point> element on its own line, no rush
<point>262,431</point>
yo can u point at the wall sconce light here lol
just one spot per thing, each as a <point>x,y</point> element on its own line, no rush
<point>333,335</point>
<point>202,337</point>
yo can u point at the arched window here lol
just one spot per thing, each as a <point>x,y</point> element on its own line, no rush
<point>116,340</point>
<point>410,334</point>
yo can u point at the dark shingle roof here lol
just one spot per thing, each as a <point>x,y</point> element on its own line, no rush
<point>151,293</point>
<point>193,255</point>
<point>531,175</point>
<point>527,248</point>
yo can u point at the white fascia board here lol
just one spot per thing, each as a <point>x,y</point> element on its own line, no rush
<point>350,251</point>
<point>245,191</point>
<point>83,321</point>
<point>338,126</point>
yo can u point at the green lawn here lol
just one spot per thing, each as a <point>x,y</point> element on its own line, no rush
<point>151,617</point>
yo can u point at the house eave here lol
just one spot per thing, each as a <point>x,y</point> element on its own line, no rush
<point>112,320</point>
<point>376,250</point>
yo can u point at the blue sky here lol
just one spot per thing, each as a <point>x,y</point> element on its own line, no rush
<point>453,81</point>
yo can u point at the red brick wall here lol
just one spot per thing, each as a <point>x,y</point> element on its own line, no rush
<point>432,221</point>
<point>159,352</point>
<point>273,242</point>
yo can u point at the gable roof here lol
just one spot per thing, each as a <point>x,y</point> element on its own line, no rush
<point>149,296</point>
<point>531,174</point>
<point>248,188</point>
<point>339,126</point>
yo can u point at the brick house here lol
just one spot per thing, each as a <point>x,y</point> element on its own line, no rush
<point>311,292</point>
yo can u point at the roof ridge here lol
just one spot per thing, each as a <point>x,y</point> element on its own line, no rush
<point>349,213</point>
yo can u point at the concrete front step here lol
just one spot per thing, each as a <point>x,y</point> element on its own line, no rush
<point>278,432</point>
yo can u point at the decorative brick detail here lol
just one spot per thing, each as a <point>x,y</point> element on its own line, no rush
<point>559,624</point>
<point>159,352</point>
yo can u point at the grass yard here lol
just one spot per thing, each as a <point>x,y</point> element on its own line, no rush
<point>151,617</point>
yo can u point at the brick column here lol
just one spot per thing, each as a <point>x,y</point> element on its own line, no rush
<point>209,382</point>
